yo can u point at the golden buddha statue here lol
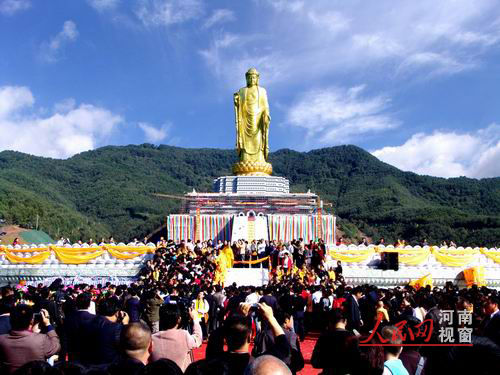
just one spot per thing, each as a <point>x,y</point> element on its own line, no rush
<point>252,128</point>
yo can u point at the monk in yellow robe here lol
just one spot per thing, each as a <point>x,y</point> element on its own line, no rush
<point>229,255</point>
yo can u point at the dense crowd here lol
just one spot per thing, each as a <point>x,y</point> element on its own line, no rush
<point>180,300</point>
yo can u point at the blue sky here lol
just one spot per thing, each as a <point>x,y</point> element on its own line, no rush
<point>415,83</point>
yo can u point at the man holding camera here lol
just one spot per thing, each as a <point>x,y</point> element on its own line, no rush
<point>173,342</point>
<point>23,344</point>
<point>101,336</point>
<point>237,334</point>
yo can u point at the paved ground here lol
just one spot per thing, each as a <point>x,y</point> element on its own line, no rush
<point>307,348</point>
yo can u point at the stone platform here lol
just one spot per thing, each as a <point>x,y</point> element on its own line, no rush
<point>70,273</point>
<point>363,274</point>
<point>367,271</point>
<point>73,263</point>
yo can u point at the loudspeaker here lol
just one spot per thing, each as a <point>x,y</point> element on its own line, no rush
<point>392,260</point>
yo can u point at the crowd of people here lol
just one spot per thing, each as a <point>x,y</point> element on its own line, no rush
<point>180,301</point>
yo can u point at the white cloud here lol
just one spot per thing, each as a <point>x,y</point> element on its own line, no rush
<point>13,99</point>
<point>271,65</point>
<point>318,39</point>
<point>65,105</point>
<point>287,5</point>
<point>168,12</point>
<point>69,130</point>
<point>10,7</point>
<point>153,134</point>
<point>50,51</point>
<point>440,64</point>
<point>103,5</point>
<point>335,115</point>
<point>219,16</point>
<point>330,20</point>
<point>448,154</point>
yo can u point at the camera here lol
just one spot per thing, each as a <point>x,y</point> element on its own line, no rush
<point>37,317</point>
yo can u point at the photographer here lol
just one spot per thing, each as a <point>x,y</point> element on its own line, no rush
<point>175,343</point>
<point>237,332</point>
<point>101,335</point>
<point>22,344</point>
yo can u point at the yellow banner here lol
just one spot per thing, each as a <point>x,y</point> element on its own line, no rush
<point>398,250</point>
<point>455,258</point>
<point>130,249</point>
<point>69,258</point>
<point>414,258</point>
<point>33,250</point>
<point>76,250</point>
<point>352,256</point>
<point>120,255</point>
<point>35,259</point>
<point>492,254</point>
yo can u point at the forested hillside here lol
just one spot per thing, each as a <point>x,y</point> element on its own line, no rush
<point>108,191</point>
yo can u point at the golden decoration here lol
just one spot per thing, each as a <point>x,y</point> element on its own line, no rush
<point>248,168</point>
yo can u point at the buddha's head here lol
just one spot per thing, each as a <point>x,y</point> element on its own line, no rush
<point>252,76</point>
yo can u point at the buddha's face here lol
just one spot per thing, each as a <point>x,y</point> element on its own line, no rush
<point>252,80</point>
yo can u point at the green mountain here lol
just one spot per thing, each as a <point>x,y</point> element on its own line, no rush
<point>109,191</point>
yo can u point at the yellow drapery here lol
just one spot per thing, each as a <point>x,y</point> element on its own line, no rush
<point>35,259</point>
<point>352,256</point>
<point>492,254</point>
<point>400,251</point>
<point>75,250</point>
<point>70,255</point>
<point>34,250</point>
<point>69,258</point>
<point>120,255</point>
<point>130,249</point>
<point>447,250</point>
<point>414,257</point>
<point>455,258</point>
<point>410,257</point>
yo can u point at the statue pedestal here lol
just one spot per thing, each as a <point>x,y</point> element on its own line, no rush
<point>252,168</point>
<point>252,185</point>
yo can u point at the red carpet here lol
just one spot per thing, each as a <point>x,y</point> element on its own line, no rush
<point>307,348</point>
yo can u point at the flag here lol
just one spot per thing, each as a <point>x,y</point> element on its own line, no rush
<point>422,282</point>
